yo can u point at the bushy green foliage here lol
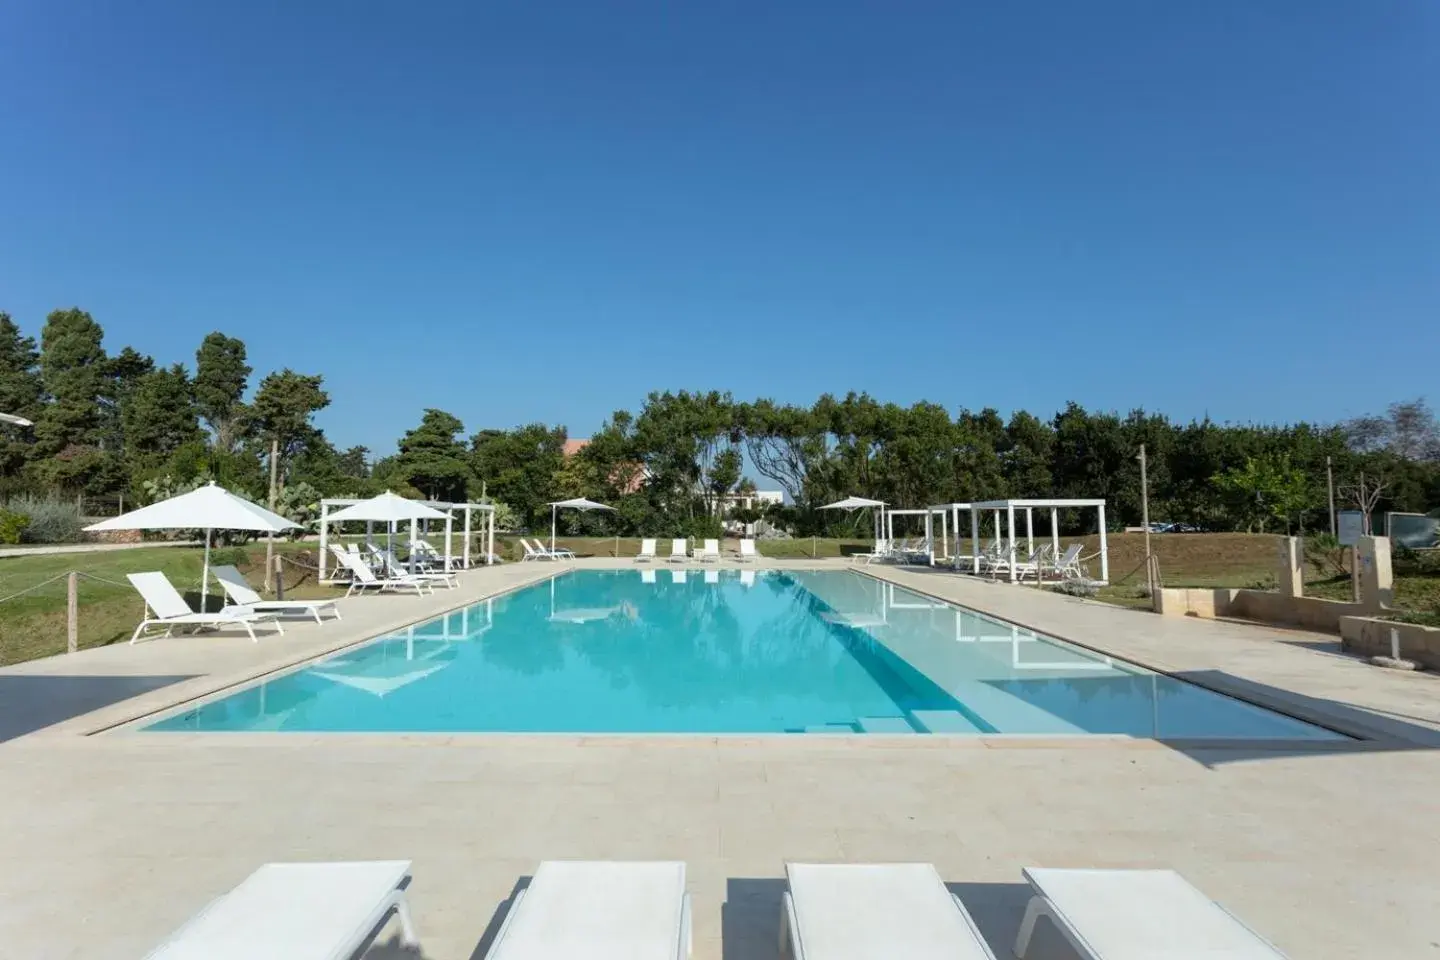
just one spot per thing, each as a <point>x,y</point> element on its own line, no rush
<point>1408,562</point>
<point>12,526</point>
<point>229,556</point>
<point>49,520</point>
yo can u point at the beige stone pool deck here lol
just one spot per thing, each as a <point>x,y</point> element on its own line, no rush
<point>112,839</point>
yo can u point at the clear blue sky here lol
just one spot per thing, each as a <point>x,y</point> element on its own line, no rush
<point>1230,206</point>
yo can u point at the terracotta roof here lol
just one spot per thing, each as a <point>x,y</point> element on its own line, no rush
<point>573,447</point>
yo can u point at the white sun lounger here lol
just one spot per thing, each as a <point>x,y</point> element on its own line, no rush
<point>865,911</point>
<point>362,578</point>
<point>531,553</point>
<point>240,591</point>
<point>598,911</point>
<point>397,570</point>
<point>647,551</point>
<point>297,911</point>
<point>170,609</point>
<point>1137,915</point>
<point>747,551</point>
<point>678,552</point>
<point>708,552</point>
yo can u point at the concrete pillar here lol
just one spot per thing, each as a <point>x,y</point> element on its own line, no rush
<point>1377,582</point>
<point>1291,574</point>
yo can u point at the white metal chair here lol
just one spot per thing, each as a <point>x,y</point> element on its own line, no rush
<point>678,551</point>
<point>599,909</point>
<point>747,551</point>
<point>709,552</point>
<point>1108,914</point>
<point>647,551</point>
<point>170,609</point>
<point>362,578</point>
<point>233,582</point>
<point>297,911</point>
<point>861,911</point>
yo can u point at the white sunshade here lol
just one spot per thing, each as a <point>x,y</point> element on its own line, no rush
<point>210,507</point>
<point>853,503</point>
<point>207,508</point>
<point>580,503</point>
<point>17,421</point>
<point>386,508</point>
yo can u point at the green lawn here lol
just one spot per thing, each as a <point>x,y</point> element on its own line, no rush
<point>33,625</point>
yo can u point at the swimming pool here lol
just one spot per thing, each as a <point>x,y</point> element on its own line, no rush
<point>726,651</point>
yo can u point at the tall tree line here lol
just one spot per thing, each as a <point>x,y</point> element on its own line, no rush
<point>119,425</point>
<point>109,424</point>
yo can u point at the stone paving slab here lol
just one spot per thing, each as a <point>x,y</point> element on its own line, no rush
<point>111,841</point>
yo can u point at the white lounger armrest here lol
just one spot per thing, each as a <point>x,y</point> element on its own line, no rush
<point>861,911</point>
<point>1137,915</point>
<point>600,911</point>
<point>296,911</point>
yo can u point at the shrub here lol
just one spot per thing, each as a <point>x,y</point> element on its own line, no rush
<point>49,520</point>
<point>1078,588</point>
<point>1409,562</point>
<point>229,556</point>
<point>1324,552</point>
<point>12,525</point>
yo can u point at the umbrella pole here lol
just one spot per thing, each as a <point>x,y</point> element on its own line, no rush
<point>552,528</point>
<point>205,573</point>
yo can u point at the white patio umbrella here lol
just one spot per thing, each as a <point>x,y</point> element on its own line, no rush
<point>390,509</point>
<point>207,508</point>
<point>579,503</point>
<point>860,503</point>
<point>17,421</point>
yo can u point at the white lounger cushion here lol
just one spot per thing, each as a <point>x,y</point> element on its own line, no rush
<point>1145,915</point>
<point>879,911</point>
<point>292,911</point>
<point>598,911</point>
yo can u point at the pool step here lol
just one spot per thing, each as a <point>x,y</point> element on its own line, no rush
<point>944,721</point>
<point>884,725</point>
<point>831,728</point>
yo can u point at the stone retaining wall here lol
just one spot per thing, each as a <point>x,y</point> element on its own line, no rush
<point>1369,636</point>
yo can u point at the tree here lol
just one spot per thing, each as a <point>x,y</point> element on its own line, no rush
<point>1408,430</point>
<point>221,375</point>
<point>122,375</point>
<point>284,406</point>
<point>159,416</point>
<point>519,467</point>
<point>1266,489</point>
<point>20,391</point>
<point>72,368</point>
<point>355,462</point>
<point>433,460</point>
<point>1364,493</point>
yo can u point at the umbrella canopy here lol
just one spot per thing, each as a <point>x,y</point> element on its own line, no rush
<point>17,421</point>
<point>860,503</point>
<point>391,509</point>
<point>387,508</point>
<point>579,503</point>
<point>207,508</point>
<point>853,503</point>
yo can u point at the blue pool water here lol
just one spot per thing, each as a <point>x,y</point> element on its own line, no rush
<point>729,652</point>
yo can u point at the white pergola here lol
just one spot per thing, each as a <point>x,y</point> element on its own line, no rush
<point>488,510</point>
<point>890,516</point>
<point>1007,508</point>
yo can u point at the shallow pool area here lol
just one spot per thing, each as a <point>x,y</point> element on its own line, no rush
<point>726,651</point>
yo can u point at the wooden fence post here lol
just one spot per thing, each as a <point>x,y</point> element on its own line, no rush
<point>72,612</point>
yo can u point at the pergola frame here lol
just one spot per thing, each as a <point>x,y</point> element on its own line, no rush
<point>1008,508</point>
<point>448,508</point>
<point>890,516</point>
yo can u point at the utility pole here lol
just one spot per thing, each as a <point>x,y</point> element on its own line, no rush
<point>270,540</point>
<point>1330,487</point>
<point>1145,520</point>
